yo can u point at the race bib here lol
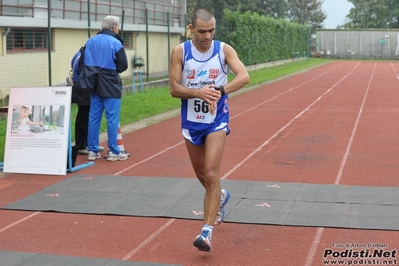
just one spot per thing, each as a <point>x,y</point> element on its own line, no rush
<point>198,111</point>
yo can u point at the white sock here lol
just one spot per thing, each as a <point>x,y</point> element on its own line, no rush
<point>207,227</point>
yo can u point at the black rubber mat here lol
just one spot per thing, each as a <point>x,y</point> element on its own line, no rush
<point>296,204</point>
<point>10,258</point>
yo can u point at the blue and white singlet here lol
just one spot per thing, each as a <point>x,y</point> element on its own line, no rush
<point>200,70</point>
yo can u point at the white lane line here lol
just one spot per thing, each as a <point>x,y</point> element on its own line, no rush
<point>348,147</point>
<point>149,158</point>
<point>319,232</point>
<point>394,70</point>
<point>280,94</point>
<point>314,246</point>
<point>19,221</point>
<point>291,89</point>
<point>286,125</point>
<point>148,239</point>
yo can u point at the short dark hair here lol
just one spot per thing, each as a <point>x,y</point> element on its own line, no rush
<point>202,14</point>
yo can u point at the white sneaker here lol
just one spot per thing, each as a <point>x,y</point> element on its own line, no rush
<point>93,156</point>
<point>204,241</point>
<point>223,201</point>
<point>116,157</point>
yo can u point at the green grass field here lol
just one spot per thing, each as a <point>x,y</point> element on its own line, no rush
<point>155,101</point>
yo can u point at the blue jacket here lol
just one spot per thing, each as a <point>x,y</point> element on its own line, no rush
<point>79,95</point>
<point>104,58</point>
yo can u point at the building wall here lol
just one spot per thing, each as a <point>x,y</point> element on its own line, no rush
<point>158,51</point>
<point>70,21</point>
<point>30,69</point>
<point>21,69</point>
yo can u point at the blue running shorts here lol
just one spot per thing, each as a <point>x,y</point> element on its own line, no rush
<point>197,137</point>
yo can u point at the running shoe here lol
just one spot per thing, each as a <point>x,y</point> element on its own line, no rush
<point>92,156</point>
<point>223,201</point>
<point>204,241</point>
<point>116,157</point>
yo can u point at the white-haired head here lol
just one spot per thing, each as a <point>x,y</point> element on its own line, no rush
<point>110,22</point>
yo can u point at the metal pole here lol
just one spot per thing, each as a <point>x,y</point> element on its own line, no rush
<point>123,22</point>
<point>146,38</point>
<point>133,86</point>
<point>88,19</point>
<point>49,39</point>
<point>168,42</point>
<point>309,41</point>
<point>141,80</point>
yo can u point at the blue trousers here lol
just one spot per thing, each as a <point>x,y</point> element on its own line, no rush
<point>112,107</point>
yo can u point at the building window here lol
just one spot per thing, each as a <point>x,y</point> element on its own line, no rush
<point>16,8</point>
<point>20,40</point>
<point>127,40</point>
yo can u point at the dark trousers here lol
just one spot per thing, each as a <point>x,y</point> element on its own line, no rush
<point>81,126</point>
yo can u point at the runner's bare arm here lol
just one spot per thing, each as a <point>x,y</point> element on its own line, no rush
<point>241,74</point>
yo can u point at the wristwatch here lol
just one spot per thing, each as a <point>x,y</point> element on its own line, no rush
<point>221,89</point>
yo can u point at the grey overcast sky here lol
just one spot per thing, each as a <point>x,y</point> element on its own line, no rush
<point>336,11</point>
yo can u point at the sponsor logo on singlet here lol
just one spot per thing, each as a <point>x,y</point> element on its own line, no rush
<point>200,84</point>
<point>213,73</point>
<point>202,73</point>
<point>190,73</point>
<point>201,117</point>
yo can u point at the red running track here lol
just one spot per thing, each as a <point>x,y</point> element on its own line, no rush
<point>334,124</point>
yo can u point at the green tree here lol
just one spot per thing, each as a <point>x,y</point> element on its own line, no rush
<point>306,12</point>
<point>217,6</point>
<point>273,8</point>
<point>372,14</point>
<point>393,7</point>
<point>193,5</point>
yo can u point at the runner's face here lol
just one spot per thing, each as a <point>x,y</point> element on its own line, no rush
<point>203,33</point>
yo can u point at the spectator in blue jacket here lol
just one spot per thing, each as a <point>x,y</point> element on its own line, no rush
<point>82,98</point>
<point>104,58</point>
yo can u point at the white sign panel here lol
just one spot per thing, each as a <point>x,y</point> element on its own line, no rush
<point>37,137</point>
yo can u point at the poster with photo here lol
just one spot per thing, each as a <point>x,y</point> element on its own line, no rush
<point>37,137</point>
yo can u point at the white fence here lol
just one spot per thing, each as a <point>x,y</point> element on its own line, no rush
<point>367,44</point>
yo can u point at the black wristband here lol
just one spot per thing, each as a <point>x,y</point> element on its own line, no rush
<point>221,89</point>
